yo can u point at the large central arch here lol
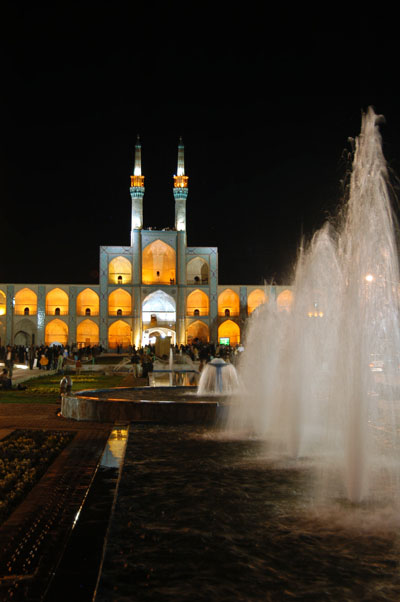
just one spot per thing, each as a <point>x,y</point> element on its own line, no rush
<point>158,263</point>
<point>159,308</point>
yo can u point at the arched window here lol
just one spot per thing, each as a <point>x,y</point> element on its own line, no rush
<point>120,271</point>
<point>87,300</point>
<point>119,301</point>
<point>57,299</point>
<point>158,263</point>
<point>3,304</point>
<point>56,331</point>
<point>255,299</point>
<point>228,300</point>
<point>197,301</point>
<point>197,271</point>
<point>87,333</point>
<point>119,334</point>
<point>25,299</point>
<point>198,330</point>
<point>229,330</point>
<point>285,301</point>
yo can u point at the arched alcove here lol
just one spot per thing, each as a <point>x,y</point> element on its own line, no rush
<point>198,330</point>
<point>119,303</point>
<point>87,299</point>
<point>25,331</point>
<point>119,334</point>
<point>255,299</point>
<point>229,330</point>
<point>159,305</point>
<point>3,303</point>
<point>57,299</point>
<point>25,299</point>
<point>87,333</point>
<point>120,271</point>
<point>158,263</point>
<point>197,300</point>
<point>228,303</point>
<point>197,271</point>
<point>56,331</point>
<point>284,300</point>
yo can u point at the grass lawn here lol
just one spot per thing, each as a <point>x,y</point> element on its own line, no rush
<point>46,389</point>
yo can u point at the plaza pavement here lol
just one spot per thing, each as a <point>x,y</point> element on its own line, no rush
<point>34,533</point>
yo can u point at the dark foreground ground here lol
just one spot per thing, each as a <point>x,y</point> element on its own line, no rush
<point>200,518</point>
<point>197,517</point>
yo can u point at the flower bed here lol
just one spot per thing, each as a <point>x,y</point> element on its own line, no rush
<point>24,458</point>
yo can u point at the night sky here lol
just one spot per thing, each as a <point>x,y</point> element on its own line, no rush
<point>265,126</point>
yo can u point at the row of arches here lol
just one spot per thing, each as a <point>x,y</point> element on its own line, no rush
<point>158,267</point>
<point>120,302</point>
<point>120,333</point>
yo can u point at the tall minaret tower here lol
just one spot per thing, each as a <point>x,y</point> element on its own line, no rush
<point>180,194</point>
<point>180,190</point>
<point>137,191</point>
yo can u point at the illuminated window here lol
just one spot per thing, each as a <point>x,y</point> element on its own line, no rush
<point>56,332</point>
<point>228,300</point>
<point>158,263</point>
<point>231,330</point>
<point>285,301</point>
<point>3,304</point>
<point>119,334</point>
<point>57,299</point>
<point>198,330</point>
<point>120,271</point>
<point>160,306</point>
<point>255,299</point>
<point>87,301</point>
<point>197,301</point>
<point>197,271</point>
<point>87,333</point>
<point>119,303</point>
<point>25,302</point>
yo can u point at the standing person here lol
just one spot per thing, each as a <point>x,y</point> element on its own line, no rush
<point>60,363</point>
<point>9,360</point>
<point>31,356</point>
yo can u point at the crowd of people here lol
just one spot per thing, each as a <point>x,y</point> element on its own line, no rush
<point>57,357</point>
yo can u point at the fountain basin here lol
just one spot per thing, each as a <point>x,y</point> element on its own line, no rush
<point>165,405</point>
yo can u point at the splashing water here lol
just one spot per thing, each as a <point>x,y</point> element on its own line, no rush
<point>218,377</point>
<point>309,388</point>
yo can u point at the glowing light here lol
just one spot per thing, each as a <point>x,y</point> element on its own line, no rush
<point>181,181</point>
<point>369,278</point>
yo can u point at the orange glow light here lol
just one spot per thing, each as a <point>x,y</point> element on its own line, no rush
<point>137,181</point>
<point>181,181</point>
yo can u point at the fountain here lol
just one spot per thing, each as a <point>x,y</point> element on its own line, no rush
<point>218,377</point>
<point>310,389</point>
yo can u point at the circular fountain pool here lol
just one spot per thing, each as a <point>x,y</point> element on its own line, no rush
<point>171,405</point>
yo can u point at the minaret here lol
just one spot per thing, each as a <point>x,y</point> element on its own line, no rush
<point>180,190</point>
<point>180,194</point>
<point>137,191</point>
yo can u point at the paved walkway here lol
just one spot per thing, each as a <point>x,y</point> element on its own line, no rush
<point>38,529</point>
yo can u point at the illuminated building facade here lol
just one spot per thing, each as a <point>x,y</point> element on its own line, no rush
<point>157,286</point>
